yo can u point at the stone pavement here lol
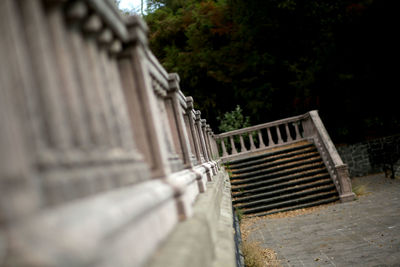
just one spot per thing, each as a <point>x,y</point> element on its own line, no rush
<point>365,232</point>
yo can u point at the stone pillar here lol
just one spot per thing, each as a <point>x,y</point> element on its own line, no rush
<point>142,103</point>
<point>213,149</point>
<point>209,138</point>
<point>201,136</point>
<point>206,140</point>
<point>208,147</point>
<point>190,125</point>
<point>346,193</point>
<point>181,138</point>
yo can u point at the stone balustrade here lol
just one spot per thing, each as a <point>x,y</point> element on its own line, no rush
<point>101,154</point>
<point>274,133</point>
<point>283,132</point>
<point>315,130</point>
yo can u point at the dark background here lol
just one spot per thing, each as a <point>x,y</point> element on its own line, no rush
<point>280,58</point>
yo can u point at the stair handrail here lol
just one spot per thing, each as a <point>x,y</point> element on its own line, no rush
<point>315,129</point>
<point>261,126</point>
<point>283,136</point>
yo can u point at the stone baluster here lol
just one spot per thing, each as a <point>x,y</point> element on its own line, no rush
<point>242,145</point>
<point>180,130</point>
<point>296,127</point>
<point>270,140</point>
<point>234,151</point>
<point>278,132</point>
<point>260,139</point>
<point>252,146</point>
<point>289,137</point>
<point>224,152</point>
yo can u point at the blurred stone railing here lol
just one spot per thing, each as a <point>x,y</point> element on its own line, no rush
<point>265,136</point>
<point>277,133</point>
<point>101,154</point>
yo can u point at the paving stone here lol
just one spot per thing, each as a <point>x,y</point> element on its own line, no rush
<point>365,232</point>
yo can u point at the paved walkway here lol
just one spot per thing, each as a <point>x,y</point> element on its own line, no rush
<point>365,232</point>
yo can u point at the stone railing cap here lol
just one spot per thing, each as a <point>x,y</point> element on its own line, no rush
<point>137,29</point>
<point>173,82</point>
<point>189,102</point>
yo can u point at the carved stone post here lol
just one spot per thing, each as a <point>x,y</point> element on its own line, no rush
<point>210,144</point>
<point>346,193</point>
<point>193,131</point>
<point>308,127</point>
<point>207,146</point>
<point>201,136</point>
<point>181,138</point>
<point>206,140</point>
<point>142,104</point>
<point>187,120</point>
<point>214,145</point>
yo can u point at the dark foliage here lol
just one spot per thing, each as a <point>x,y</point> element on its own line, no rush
<point>278,58</point>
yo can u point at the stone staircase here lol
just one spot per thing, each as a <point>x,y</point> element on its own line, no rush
<point>282,179</point>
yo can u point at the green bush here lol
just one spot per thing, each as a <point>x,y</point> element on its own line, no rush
<point>233,120</point>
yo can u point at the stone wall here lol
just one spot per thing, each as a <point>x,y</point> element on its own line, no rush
<point>102,157</point>
<point>372,156</point>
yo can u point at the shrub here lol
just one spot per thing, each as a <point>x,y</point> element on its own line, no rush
<point>233,120</point>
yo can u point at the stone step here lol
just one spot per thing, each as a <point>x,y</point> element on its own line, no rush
<point>279,168</point>
<point>284,179</point>
<point>292,202</point>
<point>280,161</point>
<point>286,188</point>
<point>305,178</point>
<point>286,197</point>
<point>281,150</point>
<point>281,174</point>
<point>295,207</point>
<point>267,159</point>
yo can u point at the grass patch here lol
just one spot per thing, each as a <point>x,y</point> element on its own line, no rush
<point>360,189</point>
<point>239,214</point>
<point>256,256</point>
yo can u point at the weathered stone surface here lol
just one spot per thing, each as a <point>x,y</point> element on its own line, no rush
<point>365,232</point>
<point>206,239</point>
<point>371,156</point>
<point>96,160</point>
